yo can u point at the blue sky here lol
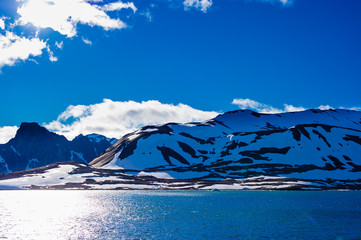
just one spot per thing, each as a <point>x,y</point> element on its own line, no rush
<point>202,53</point>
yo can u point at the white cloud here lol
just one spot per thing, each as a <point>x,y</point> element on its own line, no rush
<point>116,6</point>
<point>325,107</point>
<point>115,119</point>
<point>52,58</point>
<point>290,108</point>
<point>87,41</point>
<point>2,23</point>
<point>246,103</point>
<point>6,133</point>
<point>59,45</point>
<point>202,5</point>
<point>14,48</point>
<point>64,15</point>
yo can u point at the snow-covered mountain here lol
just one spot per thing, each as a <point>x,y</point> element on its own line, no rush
<point>34,146</point>
<point>310,144</point>
<point>313,149</point>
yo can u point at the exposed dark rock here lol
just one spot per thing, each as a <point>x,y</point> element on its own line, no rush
<point>201,141</point>
<point>256,154</point>
<point>353,138</point>
<point>338,164</point>
<point>321,136</point>
<point>168,152</point>
<point>34,146</point>
<point>188,149</point>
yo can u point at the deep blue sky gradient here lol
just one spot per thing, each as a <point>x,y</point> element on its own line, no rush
<point>307,54</point>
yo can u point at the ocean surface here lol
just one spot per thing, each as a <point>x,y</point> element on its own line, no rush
<point>180,215</point>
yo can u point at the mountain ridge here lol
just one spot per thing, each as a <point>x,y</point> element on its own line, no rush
<point>238,150</point>
<point>35,146</point>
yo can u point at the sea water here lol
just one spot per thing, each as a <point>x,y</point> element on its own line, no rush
<point>180,215</point>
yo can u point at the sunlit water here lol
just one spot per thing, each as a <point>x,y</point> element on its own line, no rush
<point>179,215</point>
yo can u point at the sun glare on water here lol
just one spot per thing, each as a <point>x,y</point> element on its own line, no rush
<point>50,215</point>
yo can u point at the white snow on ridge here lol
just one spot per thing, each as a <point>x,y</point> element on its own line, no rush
<point>114,163</point>
<point>51,177</point>
<point>249,121</point>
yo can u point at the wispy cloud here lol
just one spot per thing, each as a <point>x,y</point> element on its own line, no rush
<point>59,45</point>
<point>65,17</point>
<point>246,103</point>
<point>202,5</point>
<point>116,6</point>
<point>62,16</point>
<point>87,41</point>
<point>325,107</point>
<point>2,23</point>
<point>114,118</point>
<point>15,48</point>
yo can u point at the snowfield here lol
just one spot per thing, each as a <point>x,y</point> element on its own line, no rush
<point>239,150</point>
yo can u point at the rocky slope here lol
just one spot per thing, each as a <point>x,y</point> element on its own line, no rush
<point>34,146</point>
<point>242,149</point>
<point>310,144</point>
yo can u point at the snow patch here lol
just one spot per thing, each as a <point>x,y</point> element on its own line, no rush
<point>114,163</point>
<point>162,175</point>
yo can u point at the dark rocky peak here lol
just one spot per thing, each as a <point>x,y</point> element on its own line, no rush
<point>30,129</point>
<point>34,134</point>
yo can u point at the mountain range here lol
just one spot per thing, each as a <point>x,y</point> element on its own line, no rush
<point>243,149</point>
<point>34,146</point>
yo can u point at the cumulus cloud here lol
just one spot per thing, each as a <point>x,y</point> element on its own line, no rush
<point>6,133</point>
<point>202,5</point>
<point>246,103</point>
<point>14,48</point>
<point>64,15</point>
<point>115,119</point>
